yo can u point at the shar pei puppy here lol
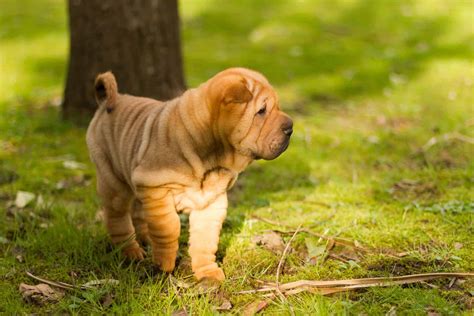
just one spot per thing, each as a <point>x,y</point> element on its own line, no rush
<point>155,159</point>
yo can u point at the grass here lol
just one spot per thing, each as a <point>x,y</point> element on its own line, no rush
<point>368,84</point>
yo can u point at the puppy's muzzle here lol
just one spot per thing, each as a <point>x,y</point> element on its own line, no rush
<point>287,127</point>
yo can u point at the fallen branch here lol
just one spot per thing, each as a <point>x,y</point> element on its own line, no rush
<point>329,287</point>
<point>60,285</point>
<point>447,137</point>
<point>280,264</point>
<point>67,286</point>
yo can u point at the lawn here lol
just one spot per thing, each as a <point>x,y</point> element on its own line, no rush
<point>382,97</point>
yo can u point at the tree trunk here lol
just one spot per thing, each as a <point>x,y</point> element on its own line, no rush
<point>139,41</point>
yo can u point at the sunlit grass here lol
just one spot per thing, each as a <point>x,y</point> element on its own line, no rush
<point>368,83</point>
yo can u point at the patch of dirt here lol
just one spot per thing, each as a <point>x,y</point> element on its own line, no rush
<point>402,266</point>
<point>270,241</point>
<point>408,189</point>
<point>7,176</point>
<point>397,124</point>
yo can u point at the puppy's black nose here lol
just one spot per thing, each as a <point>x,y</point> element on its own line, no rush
<point>288,131</point>
<point>287,127</point>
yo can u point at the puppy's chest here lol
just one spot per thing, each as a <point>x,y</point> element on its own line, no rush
<point>204,193</point>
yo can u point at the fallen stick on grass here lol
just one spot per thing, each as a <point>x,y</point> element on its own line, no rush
<point>60,285</point>
<point>280,265</point>
<point>67,286</point>
<point>446,137</point>
<point>329,287</point>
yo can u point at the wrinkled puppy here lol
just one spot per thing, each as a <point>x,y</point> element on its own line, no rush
<point>155,159</point>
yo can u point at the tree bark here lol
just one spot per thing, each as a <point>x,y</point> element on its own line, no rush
<point>139,41</point>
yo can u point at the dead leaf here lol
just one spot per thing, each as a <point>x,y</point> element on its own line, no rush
<point>469,303</point>
<point>77,180</point>
<point>392,311</point>
<point>71,164</point>
<point>23,198</point>
<point>206,286</point>
<point>180,283</point>
<point>409,189</point>
<point>99,216</point>
<point>180,312</point>
<point>100,282</point>
<point>45,225</point>
<point>40,203</point>
<point>39,294</point>
<point>8,147</point>
<point>107,300</point>
<point>458,245</point>
<point>271,241</point>
<point>316,250</point>
<point>255,307</point>
<point>225,306</point>
<point>61,185</point>
<point>349,254</point>
<point>330,245</point>
<point>431,311</point>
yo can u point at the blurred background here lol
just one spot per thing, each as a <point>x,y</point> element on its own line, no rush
<point>381,92</point>
<point>314,51</point>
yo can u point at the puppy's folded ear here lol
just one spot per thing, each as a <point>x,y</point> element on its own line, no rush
<point>237,92</point>
<point>229,89</point>
<point>106,90</point>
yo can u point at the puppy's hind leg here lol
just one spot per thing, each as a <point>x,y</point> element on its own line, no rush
<point>117,200</point>
<point>163,225</point>
<point>140,223</point>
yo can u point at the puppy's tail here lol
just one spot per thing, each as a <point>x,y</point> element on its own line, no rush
<point>106,90</point>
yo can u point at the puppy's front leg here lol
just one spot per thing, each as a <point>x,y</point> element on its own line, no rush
<point>163,225</point>
<point>204,228</point>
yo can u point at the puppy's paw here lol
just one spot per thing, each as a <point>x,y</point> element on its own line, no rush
<point>166,262</point>
<point>211,276</point>
<point>134,253</point>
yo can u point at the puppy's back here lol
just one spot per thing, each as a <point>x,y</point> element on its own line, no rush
<point>115,133</point>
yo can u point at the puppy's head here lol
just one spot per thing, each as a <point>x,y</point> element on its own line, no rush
<point>247,114</point>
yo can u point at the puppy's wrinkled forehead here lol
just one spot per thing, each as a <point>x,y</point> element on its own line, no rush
<point>250,74</point>
<point>256,83</point>
<point>239,85</point>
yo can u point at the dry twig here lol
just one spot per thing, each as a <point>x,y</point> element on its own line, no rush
<point>60,285</point>
<point>67,286</point>
<point>280,264</point>
<point>447,137</point>
<point>329,287</point>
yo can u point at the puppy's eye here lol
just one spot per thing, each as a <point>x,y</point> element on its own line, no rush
<point>262,110</point>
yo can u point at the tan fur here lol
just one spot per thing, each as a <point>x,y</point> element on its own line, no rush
<point>155,159</point>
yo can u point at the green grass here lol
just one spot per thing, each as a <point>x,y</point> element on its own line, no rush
<point>368,84</point>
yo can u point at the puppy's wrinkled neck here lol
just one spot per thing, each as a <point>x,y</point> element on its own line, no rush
<point>202,126</point>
